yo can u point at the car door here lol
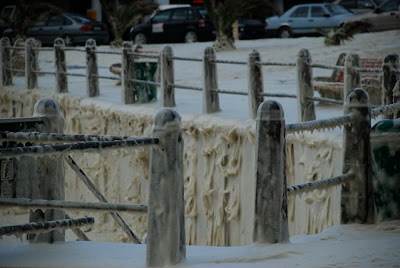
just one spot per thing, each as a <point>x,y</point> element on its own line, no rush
<point>319,18</point>
<point>176,27</point>
<point>298,20</point>
<point>158,25</point>
<point>37,32</point>
<point>388,17</point>
<point>54,28</point>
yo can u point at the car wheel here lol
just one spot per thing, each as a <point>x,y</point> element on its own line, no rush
<point>68,40</point>
<point>140,39</point>
<point>284,32</point>
<point>190,37</point>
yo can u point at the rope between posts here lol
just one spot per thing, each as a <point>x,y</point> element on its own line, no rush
<point>75,74</point>
<point>369,70</point>
<point>39,136</point>
<point>63,148</point>
<point>46,226</point>
<point>305,187</point>
<point>108,52</point>
<point>71,205</point>
<point>187,87</point>
<point>96,192</point>
<point>145,82</point>
<point>320,124</point>
<point>270,63</point>
<point>15,48</point>
<point>144,55</point>
<point>107,77</point>
<point>230,62</point>
<point>74,49</point>
<point>279,95</point>
<point>16,70</point>
<point>322,66</point>
<point>333,101</point>
<point>387,109</point>
<point>186,59</point>
<point>43,48</point>
<point>39,72</point>
<point>222,91</point>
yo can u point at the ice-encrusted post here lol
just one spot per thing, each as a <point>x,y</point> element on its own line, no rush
<point>389,79</point>
<point>31,64</point>
<point>255,83</point>
<point>5,62</point>
<point>91,69</point>
<point>357,201</point>
<point>351,75</point>
<point>305,89</point>
<point>61,66</point>
<point>166,222</point>
<point>270,219</point>
<point>50,179</point>
<point>167,77</point>
<point>128,73</point>
<point>396,97</point>
<point>210,82</point>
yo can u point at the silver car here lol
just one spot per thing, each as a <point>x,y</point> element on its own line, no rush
<point>74,29</point>
<point>306,18</point>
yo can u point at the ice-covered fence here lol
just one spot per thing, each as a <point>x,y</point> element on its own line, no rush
<point>129,55</point>
<point>357,196</point>
<point>166,235</point>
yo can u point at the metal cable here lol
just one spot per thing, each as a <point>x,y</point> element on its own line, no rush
<point>322,66</point>
<point>144,55</point>
<point>145,82</point>
<point>187,59</point>
<point>187,87</point>
<point>107,77</point>
<point>74,49</point>
<point>271,63</point>
<point>16,70</point>
<point>40,72</point>
<point>108,52</point>
<point>327,100</point>
<point>43,48</point>
<point>75,74</point>
<point>279,95</point>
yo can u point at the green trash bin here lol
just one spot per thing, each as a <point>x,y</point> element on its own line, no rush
<point>145,70</point>
<point>385,146</point>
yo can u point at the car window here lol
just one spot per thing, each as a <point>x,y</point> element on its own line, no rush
<point>55,21</point>
<point>40,23</point>
<point>80,19</point>
<point>162,16</point>
<point>317,12</point>
<point>389,6</point>
<point>300,12</point>
<point>179,15</point>
<point>337,9</point>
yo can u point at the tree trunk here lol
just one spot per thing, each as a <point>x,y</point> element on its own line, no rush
<point>223,43</point>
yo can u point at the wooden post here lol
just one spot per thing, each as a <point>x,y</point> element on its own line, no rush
<point>61,66</point>
<point>351,75</point>
<point>166,222</point>
<point>167,77</point>
<point>357,200</point>
<point>396,97</point>
<point>389,79</point>
<point>128,73</point>
<point>91,69</point>
<point>305,89</point>
<point>255,81</point>
<point>210,82</point>
<point>270,220</point>
<point>5,62</point>
<point>31,64</point>
<point>50,172</point>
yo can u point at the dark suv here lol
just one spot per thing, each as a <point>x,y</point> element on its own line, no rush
<point>174,24</point>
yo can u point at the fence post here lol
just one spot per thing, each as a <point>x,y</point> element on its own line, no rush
<point>305,89</point>
<point>5,62</point>
<point>256,87</point>
<point>91,69</point>
<point>351,75</point>
<point>128,73</point>
<point>210,82</point>
<point>167,77</point>
<point>50,172</point>
<point>61,67</point>
<point>357,200</point>
<point>270,220</point>
<point>166,222</point>
<point>389,79</point>
<point>396,97</point>
<point>31,64</point>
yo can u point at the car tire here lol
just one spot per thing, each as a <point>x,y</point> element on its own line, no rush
<point>284,32</point>
<point>68,40</point>
<point>190,37</point>
<point>140,39</point>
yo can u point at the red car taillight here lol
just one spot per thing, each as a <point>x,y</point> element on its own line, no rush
<point>87,27</point>
<point>202,23</point>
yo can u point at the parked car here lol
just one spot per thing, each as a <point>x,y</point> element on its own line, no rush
<point>174,24</point>
<point>306,18</point>
<point>357,6</point>
<point>74,29</point>
<point>384,17</point>
<point>251,28</point>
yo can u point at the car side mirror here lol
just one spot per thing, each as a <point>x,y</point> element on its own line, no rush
<point>326,15</point>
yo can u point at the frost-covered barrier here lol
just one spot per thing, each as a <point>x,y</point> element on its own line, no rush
<point>218,170</point>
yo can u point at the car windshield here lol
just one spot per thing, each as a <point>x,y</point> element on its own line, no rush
<point>337,9</point>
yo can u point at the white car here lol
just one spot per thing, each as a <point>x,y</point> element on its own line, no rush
<point>306,18</point>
